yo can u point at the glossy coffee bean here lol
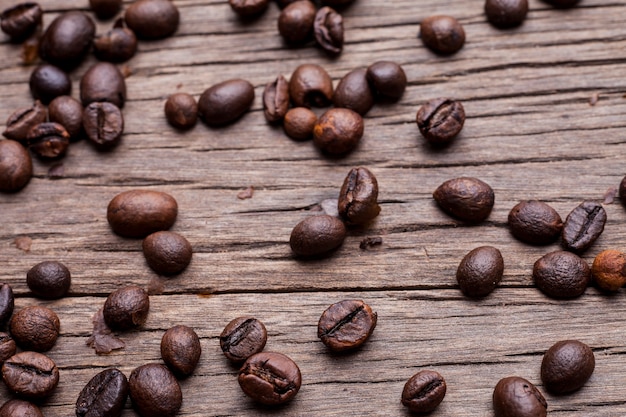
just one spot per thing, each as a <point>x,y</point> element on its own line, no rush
<point>167,253</point>
<point>23,119</point>
<point>68,112</point>
<point>248,8</point>
<point>295,22</point>
<point>270,378</point>
<point>117,45</point>
<point>442,34</point>
<point>310,86</point>
<point>7,347</point>
<point>7,302</point>
<point>358,198</point>
<point>567,366</point>
<point>155,391</point>
<point>16,166</point>
<point>138,213</point>
<point>225,102</point>
<point>105,9</point>
<point>35,328</point>
<point>103,124</point>
<point>21,20</point>
<point>480,271</point>
<point>387,79</point>
<point>30,375</point>
<point>583,226</point>
<point>103,82</point>
<point>440,120</point>
<point>299,123</point>
<point>424,391</point>
<point>516,397</point>
<point>181,111</point>
<point>19,408</point>
<point>48,82</point>
<point>181,350</point>
<point>48,140</point>
<point>346,325</point>
<point>535,222</point>
<point>561,274</point>
<point>353,92</point>
<point>562,4</point>
<point>152,19</point>
<point>328,30</point>
<point>506,13</point>
<point>67,40</point>
<point>126,308</point>
<point>49,279</point>
<point>465,198</point>
<point>338,131</point>
<point>317,235</point>
<point>104,395</point>
<point>276,99</point>
<point>609,270</point>
<point>242,338</point>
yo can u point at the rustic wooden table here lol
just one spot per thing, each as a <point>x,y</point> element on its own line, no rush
<point>534,130</point>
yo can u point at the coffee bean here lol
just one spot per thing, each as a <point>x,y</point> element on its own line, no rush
<point>152,19</point>
<point>117,45</point>
<point>424,391</point>
<point>387,79</point>
<point>154,391</point>
<point>317,235</point>
<point>103,82</point>
<point>563,4</point>
<point>19,408</point>
<point>16,166</point>
<point>225,102</point>
<point>35,328</point>
<point>126,308</point>
<point>68,112</point>
<point>338,131</point>
<point>480,271</point>
<point>7,348</point>
<point>104,395</point>
<point>67,40</point>
<point>346,325</point>
<point>7,302</point>
<point>609,270</point>
<point>276,99</point>
<point>248,8</point>
<point>353,92</point>
<point>138,213</point>
<point>23,119</point>
<point>622,190</point>
<point>535,222</point>
<point>167,253</point>
<point>48,140</point>
<point>358,198</point>
<point>567,366</point>
<point>506,13</point>
<point>48,82</point>
<point>30,375</point>
<point>440,120</point>
<point>310,86</point>
<point>270,378</point>
<point>465,198</point>
<point>242,338</point>
<point>442,34</point>
<point>583,226</point>
<point>561,274</point>
<point>328,30</point>
<point>514,396</point>
<point>21,21</point>
<point>103,124</point>
<point>181,350</point>
<point>295,22</point>
<point>49,279</point>
<point>299,123</point>
<point>181,110</point>
<point>105,9</point>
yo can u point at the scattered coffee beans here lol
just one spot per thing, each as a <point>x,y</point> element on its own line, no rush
<point>248,8</point>
<point>535,222</point>
<point>105,9</point>
<point>567,366</point>
<point>225,102</point>
<point>317,235</point>
<point>67,40</point>
<point>7,302</point>
<point>117,45</point>
<point>152,19</point>
<point>19,408</point>
<point>387,79</point>
<point>48,82</point>
<point>424,391</point>
<point>442,34</point>
<point>181,110</point>
<point>103,124</point>
<point>35,328</point>
<point>276,99</point>
<point>30,375</point>
<point>242,338</point>
<point>180,350</point>
<point>138,213</point>
<point>126,308</point>
<point>328,30</point>
<point>346,325</point>
<point>583,226</point>
<point>68,112</point>
<point>299,123</point>
<point>561,274</point>
<point>295,22</point>
<point>167,253</point>
<point>609,270</point>
<point>48,140</point>
<point>358,198</point>
<point>104,395</point>
<point>49,279</point>
<point>440,120</point>
<point>7,347</point>
<point>506,13</point>
<point>516,397</point>
<point>103,82</point>
<point>22,120</point>
<point>21,20</point>
<point>310,86</point>
<point>466,198</point>
<point>338,132</point>
<point>154,391</point>
<point>353,92</point>
<point>270,378</point>
<point>16,166</point>
<point>480,271</point>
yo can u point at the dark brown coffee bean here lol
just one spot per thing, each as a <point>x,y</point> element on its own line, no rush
<point>440,120</point>
<point>103,124</point>
<point>387,79</point>
<point>609,270</point>
<point>358,198</point>
<point>338,131</point>
<point>465,198</point>
<point>22,120</point>
<point>48,140</point>
<point>105,9</point>
<point>535,222</point>
<point>7,348</point>
<point>248,8</point>
<point>21,20</point>
<point>167,253</point>
<point>181,350</point>
<point>49,279</point>
<point>103,82</point>
<point>104,395</point>
<point>562,4</point>
<point>276,99</point>
<point>67,40</point>
<point>48,82</point>
<point>155,391</point>
<point>346,325</point>
<point>242,338</point>
<point>181,110</point>
<point>16,166</point>
<point>328,30</point>
<point>35,328</point>
<point>138,213</point>
<point>152,19</point>
<point>270,378</point>
<point>310,86</point>
<point>516,397</point>
<point>30,375</point>
<point>506,13</point>
<point>442,34</point>
<point>295,22</point>
<point>7,302</point>
<point>567,366</point>
<point>480,271</point>
<point>583,226</point>
<point>353,92</point>
<point>117,45</point>
<point>299,123</point>
<point>561,274</point>
<point>225,102</point>
<point>126,308</point>
<point>622,190</point>
<point>68,112</point>
<point>424,391</point>
<point>19,408</point>
<point>317,235</point>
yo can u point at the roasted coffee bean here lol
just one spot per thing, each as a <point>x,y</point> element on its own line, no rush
<point>242,338</point>
<point>346,325</point>
<point>30,375</point>
<point>563,4</point>
<point>7,348</point>
<point>622,190</point>
<point>48,140</point>
<point>180,349</point>
<point>67,40</point>
<point>68,112</point>
<point>535,222</point>
<point>19,408</point>
<point>440,120</point>
<point>103,82</point>
<point>387,79</point>
<point>567,366</point>
<point>22,120</point>
<point>506,13</point>
<point>49,279</point>
<point>105,9</point>
<point>338,131</point>
<point>317,235</point>
<point>35,328</point>
<point>167,253</point>
<point>155,391</point>
<point>358,198</point>
<point>583,226</point>
<point>16,166</point>
<point>310,86</point>
<point>328,30</point>
<point>353,92</point>
<point>7,302</point>
<point>248,8</point>
<point>609,270</point>
<point>424,391</point>
<point>152,19</point>
<point>442,34</point>
<point>561,274</point>
<point>138,213</point>
<point>514,396</point>
<point>480,271</point>
<point>103,124</point>
<point>270,378</point>
<point>299,123</point>
<point>104,395</point>
<point>225,102</point>
<point>117,45</point>
<point>181,110</point>
<point>276,99</point>
<point>465,198</point>
<point>295,22</point>
<point>21,21</point>
<point>48,82</point>
<point>126,308</point>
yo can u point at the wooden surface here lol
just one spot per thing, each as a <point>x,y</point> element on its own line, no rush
<point>531,132</point>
